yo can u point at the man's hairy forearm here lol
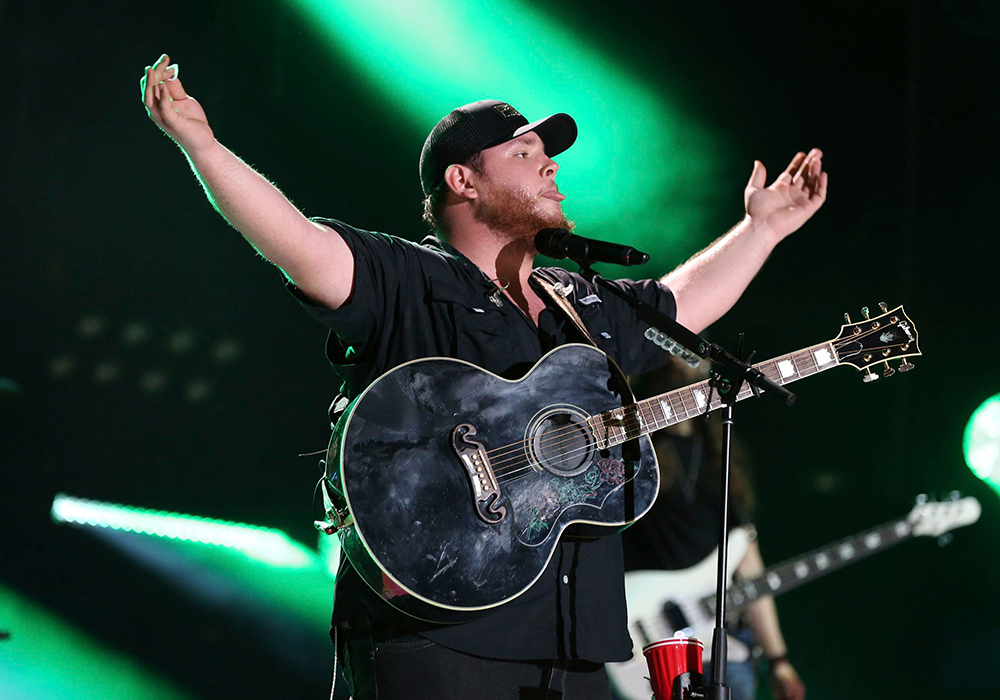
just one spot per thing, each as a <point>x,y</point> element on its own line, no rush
<point>252,205</point>
<point>707,285</point>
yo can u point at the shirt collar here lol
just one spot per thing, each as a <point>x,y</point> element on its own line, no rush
<point>434,243</point>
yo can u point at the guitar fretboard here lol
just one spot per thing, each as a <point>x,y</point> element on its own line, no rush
<point>794,572</point>
<point>629,422</point>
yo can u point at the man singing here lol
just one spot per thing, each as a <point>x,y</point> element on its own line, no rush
<point>489,179</point>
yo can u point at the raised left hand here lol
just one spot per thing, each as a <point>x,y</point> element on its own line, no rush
<point>785,682</point>
<point>791,199</point>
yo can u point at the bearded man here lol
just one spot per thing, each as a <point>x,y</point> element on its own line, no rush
<point>489,179</point>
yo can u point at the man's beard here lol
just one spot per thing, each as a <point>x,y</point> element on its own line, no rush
<point>516,214</point>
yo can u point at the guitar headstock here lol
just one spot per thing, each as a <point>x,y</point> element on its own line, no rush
<point>876,340</point>
<point>935,519</point>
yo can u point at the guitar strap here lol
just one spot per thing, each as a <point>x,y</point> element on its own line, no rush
<point>557,291</point>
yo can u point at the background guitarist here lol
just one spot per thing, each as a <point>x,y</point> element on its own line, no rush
<point>490,184</point>
<point>682,528</point>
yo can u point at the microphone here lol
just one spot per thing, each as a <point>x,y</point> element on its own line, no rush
<point>558,243</point>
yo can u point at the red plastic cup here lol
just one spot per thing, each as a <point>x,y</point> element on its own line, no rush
<point>668,659</point>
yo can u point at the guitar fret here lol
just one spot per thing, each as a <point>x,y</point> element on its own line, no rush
<point>666,410</point>
<point>807,364</point>
<point>644,415</point>
<point>684,397</point>
<point>662,420</point>
<point>807,367</point>
<point>676,399</point>
<point>798,365</point>
<point>637,421</point>
<point>687,402</point>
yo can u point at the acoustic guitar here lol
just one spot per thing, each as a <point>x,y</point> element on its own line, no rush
<point>450,486</point>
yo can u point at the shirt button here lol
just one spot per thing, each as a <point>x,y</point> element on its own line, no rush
<point>566,579</point>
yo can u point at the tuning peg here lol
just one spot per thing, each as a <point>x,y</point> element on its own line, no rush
<point>955,496</point>
<point>906,366</point>
<point>864,312</point>
<point>883,307</point>
<point>889,371</point>
<point>847,318</point>
<point>869,376</point>
<point>922,499</point>
<point>945,539</point>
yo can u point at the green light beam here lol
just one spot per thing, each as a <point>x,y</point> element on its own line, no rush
<point>46,657</point>
<point>264,569</point>
<point>641,168</point>
<point>267,545</point>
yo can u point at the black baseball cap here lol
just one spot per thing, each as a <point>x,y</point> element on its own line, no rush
<point>478,125</point>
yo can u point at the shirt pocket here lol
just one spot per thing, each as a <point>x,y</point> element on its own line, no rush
<point>480,329</point>
<point>595,320</point>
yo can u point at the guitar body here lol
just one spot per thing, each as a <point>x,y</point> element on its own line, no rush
<point>459,483</point>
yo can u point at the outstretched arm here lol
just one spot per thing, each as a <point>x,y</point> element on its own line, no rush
<point>315,258</point>
<point>763,620</point>
<point>708,285</point>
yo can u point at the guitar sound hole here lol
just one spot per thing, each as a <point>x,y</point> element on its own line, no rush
<point>562,443</point>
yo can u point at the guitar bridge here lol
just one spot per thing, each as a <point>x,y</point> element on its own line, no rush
<point>485,489</point>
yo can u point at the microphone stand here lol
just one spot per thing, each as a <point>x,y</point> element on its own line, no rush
<point>728,376</point>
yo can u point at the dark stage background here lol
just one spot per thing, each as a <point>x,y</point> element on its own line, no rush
<point>157,362</point>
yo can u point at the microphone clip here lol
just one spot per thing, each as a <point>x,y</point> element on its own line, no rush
<point>502,283</point>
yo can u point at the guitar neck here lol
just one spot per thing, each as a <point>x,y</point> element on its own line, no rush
<point>664,410</point>
<point>789,574</point>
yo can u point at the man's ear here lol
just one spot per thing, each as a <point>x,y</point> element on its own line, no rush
<point>460,179</point>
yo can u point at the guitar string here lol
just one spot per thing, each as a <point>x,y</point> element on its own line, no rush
<point>525,465</point>
<point>630,425</point>
<point>641,410</point>
<point>795,358</point>
<point>572,433</point>
<point>630,422</point>
<point>515,448</point>
<point>515,471</point>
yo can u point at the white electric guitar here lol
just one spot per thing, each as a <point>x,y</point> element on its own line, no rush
<point>663,604</point>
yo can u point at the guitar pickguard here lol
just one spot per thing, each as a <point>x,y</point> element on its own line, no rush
<point>544,497</point>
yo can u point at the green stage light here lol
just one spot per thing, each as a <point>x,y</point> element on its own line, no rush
<point>47,658</point>
<point>982,442</point>
<point>329,553</point>
<point>642,170</point>
<point>263,544</point>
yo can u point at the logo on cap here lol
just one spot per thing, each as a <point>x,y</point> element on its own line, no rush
<point>506,111</point>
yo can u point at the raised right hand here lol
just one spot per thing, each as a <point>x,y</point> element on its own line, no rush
<point>178,114</point>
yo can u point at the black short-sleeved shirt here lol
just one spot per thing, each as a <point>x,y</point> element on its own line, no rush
<point>412,301</point>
